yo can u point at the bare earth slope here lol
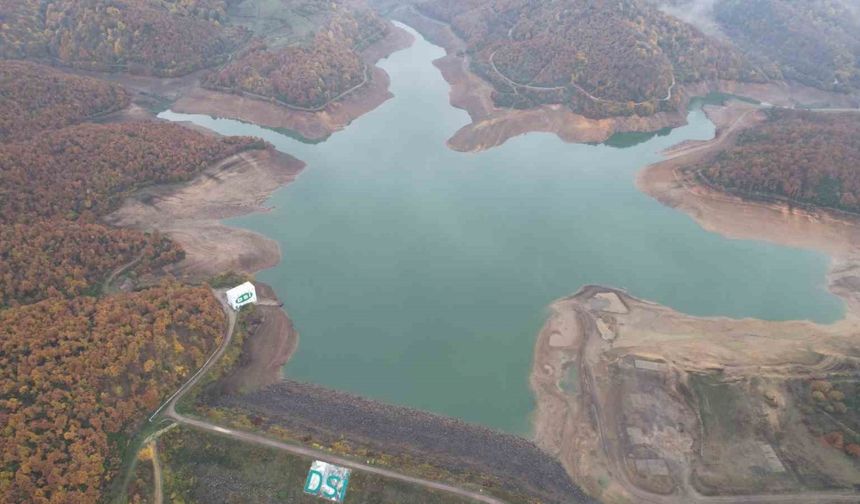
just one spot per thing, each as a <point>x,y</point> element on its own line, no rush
<point>641,402</point>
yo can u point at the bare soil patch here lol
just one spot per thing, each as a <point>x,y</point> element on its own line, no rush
<point>736,392</point>
<point>190,213</point>
<point>272,341</point>
<point>691,409</point>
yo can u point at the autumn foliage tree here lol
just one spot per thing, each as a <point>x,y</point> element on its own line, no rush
<point>161,37</point>
<point>78,371</point>
<point>60,258</point>
<point>607,58</point>
<point>75,373</point>
<point>86,170</point>
<point>816,42</point>
<point>305,75</point>
<point>54,186</point>
<point>37,97</point>
<point>806,157</point>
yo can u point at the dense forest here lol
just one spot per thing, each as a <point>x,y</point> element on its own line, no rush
<point>54,186</point>
<point>35,97</point>
<point>80,369</point>
<point>807,157</point>
<point>614,57</point>
<point>75,373</point>
<point>161,37</point>
<point>59,258</point>
<point>100,164</point>
<point>307,74</point>
<point>815,42</point>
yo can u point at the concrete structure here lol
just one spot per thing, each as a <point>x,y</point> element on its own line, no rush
<point>241,295</point>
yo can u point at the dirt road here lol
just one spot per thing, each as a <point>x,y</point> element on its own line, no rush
<point>316,454</point>
<point>106,285</point>
<point>169,411</point>
<point>616,454</point>
<point>157,493</point>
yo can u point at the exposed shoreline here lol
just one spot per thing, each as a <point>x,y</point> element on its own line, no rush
<point>491,126</point>
<point>581,420</point>
<point>564,422</point>
<point>191,213</point>
<point>309,126</point>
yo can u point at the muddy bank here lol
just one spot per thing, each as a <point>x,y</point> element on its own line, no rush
<point>492,126</point>
<point>328,416</point>
<point>271,342</point>
<point>612,373</point>
<point>833,233</point>
<point>310,126</point>
<point>190,213</point>
<point>580,413</point>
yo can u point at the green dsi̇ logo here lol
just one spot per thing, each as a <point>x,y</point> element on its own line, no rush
<point>327,481</point>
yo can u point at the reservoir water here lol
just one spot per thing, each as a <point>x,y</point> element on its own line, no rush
<point>420,276</point>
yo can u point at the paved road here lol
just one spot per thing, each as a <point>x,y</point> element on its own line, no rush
<point>171,401</point>
<point>169,410</point>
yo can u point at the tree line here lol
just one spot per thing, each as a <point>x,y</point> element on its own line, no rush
<point>815,42</point>
<point>608,58</point>
<point>79,370</point>
<point>807,157</point>
<point>75,373</point>
<point>308,74</point>
<point>160,37</point>
<point>37,97</point>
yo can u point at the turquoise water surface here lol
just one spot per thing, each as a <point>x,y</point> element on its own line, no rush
<point>420,276</point>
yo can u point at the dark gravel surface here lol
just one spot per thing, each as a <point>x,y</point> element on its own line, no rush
<point>329,415</point>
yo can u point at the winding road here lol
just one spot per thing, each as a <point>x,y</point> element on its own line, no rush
<point>120,270</point>
<point>168,410</point>
<point>579,88</point>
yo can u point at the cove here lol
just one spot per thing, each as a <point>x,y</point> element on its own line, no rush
<point>420,276</point>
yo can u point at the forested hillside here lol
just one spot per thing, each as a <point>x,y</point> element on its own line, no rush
<point>35,97</point>
<point>306,74</point>
<point>60,258</point>
<point>807,157</point>
<point>75,373</point>
<point>815,42</point>
<point>80,370</point>
<point>614,57</point>
<point>85,170</point>
<point>161,37</point>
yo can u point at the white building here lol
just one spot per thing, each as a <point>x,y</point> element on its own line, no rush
<point>241,295</point>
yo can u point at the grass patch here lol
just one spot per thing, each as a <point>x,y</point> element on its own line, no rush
<point>199,467</point>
